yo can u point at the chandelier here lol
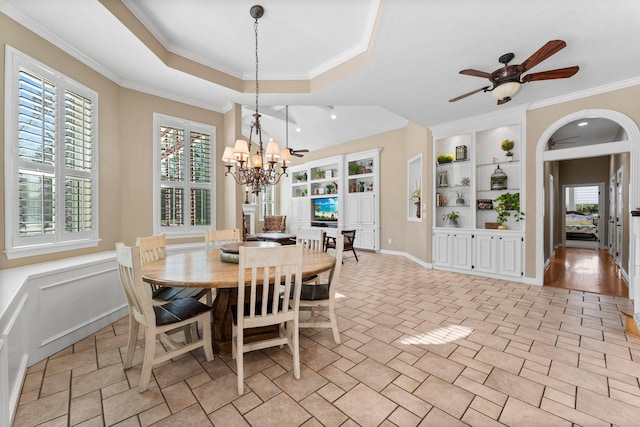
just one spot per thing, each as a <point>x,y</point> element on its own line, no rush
<point>257,170</point>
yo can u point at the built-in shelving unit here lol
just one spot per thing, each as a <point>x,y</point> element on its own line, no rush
<point>336,193</point>
<point>468,185</point>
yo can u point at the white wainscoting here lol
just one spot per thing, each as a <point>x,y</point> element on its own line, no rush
<point>47,307</point>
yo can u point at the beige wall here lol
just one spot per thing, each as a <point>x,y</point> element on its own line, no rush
<point>397,147</point>
<point>125,145</point>
<point>625,101</point>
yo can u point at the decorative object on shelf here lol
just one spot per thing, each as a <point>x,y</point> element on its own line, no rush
<point>330,188</point>
<point>494,159</point>
<point>441,200</point>
<point>452,217</point>
<point>416,198</point>
<point>354,168</point>
<point>361,186</point>
<point>484,204</point>
<point>465,181</point>
<point>328,173</point>
<point>459,194</point>
<point>491,225</point>
<point>443,180</point>
<point>259,170</point>
<point>507,204</point>
<point>498,179</point>
<point>304,192</point>
<point>445,158</point>
<point>319,174</point>
<point>507,145</point>
<point>461,152</point>
<point>299,178</point>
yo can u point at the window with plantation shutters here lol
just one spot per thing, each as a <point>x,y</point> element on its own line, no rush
<point>184,184</point>
<point>50,162</point>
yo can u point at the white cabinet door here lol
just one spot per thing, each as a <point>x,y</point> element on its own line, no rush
<point>361,209</point>
<point>441,249</point>
<point>462,251</point>
<point>367,209</point>
<point>353,210</point>
<point>509,255</point>
<point>365,238</point>
<point>484,251</point>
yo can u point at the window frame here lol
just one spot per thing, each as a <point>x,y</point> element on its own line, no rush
<point>17,246</point>
<point>186,230</point>
<point>263,202</point>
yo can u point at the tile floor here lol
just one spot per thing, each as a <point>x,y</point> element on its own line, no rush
<point>419,348</point>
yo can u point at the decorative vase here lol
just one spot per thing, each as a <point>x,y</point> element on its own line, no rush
<point>502,227</point>
<point>460,202</point>
<point>417,210</point>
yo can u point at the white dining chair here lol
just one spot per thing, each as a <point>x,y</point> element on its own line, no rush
<point>214,238</point>
<point>260,302</point>
<point>322,297</point>
<point>311,238</point>
<point>157,320</point>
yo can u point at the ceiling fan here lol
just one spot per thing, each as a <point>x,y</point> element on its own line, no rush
<point>293,152</point>
<point>506,81</point>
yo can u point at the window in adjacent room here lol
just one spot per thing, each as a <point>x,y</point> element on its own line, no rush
<point>267,200</point>
<point>184,190</point>
<point>51,150</point>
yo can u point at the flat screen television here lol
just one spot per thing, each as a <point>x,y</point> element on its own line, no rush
<point>325,209</point>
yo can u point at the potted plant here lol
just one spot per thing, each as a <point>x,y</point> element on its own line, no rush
<point>319,174</point>
<point>361,186</point>
<point>330,188</point>
<point>506,205</point>
<point>507,145</point>
<point>299,177</point>
<point>354,168</point>
<point>459,193</point>
<point>452,217</point>
<point>445,158</point>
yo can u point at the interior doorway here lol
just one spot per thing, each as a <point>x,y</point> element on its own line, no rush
<point>584,209</point>
<point>565,140</point>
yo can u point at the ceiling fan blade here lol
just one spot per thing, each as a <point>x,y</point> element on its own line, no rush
<point>560,73</point>
<point>504,100</point>
<point>303,150</point>
<point>550,48</point>
<point>475,73</point>
<point>482,89</point>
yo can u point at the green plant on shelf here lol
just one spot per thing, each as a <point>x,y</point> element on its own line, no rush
<point>452,217</point>
<point>354,168</point>
<point>507,145</point>
<point>508,204</point>
<point>445,158</point>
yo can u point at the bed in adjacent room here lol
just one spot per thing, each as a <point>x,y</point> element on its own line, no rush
<point>580,226</point>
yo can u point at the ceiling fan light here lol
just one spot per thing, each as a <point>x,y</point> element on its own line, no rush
<point>506,90</point>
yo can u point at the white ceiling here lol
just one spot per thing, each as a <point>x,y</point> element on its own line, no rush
<point>411,73</point>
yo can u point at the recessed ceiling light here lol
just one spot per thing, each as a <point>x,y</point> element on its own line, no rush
<point>583,123</point>
<point>298,130</point>
<point>333,116</point>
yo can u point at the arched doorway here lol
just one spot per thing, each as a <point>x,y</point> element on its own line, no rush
<point>547,151</point>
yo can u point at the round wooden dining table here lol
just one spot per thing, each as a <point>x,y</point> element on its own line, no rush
<point>205,269</point>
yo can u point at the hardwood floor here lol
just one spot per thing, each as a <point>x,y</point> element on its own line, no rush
<point>589,270</point>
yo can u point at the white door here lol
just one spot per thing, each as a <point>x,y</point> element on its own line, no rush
<point>619,215</point>
<point>611,216</point>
